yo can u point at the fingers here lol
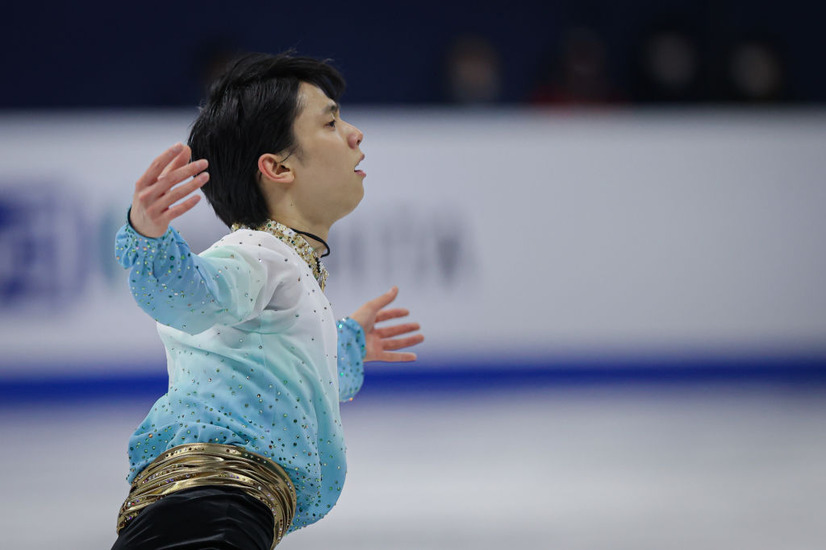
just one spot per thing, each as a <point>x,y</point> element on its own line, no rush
<point>400,343</point>
<point>179,192</point>
<point>165,207</point>
<point>181,159</point>
<point>181,208</point>
<point>396,357</point>
<point>173,178</point>
<point>162,192</point>
<point>396,330</point>
<point>158,165</point>
<point>395,313</point>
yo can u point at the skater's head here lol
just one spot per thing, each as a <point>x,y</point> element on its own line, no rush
<point>270,128</point>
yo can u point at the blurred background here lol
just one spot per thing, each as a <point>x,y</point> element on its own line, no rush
<point>626,52</point>
<point>609,218</point>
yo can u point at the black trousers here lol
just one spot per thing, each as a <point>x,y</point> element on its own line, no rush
<point>205,518</point>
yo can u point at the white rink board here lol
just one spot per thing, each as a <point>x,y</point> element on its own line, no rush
<point>511,233</point>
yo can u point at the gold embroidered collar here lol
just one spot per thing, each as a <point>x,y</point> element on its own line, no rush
<point>297,242</point>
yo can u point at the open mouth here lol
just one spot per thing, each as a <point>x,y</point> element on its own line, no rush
<point>356,169</point>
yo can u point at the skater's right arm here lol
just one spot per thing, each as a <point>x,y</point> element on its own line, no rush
<point>177,288</point>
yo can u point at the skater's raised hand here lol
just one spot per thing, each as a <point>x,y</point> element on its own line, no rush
<point>381,342</point>
<point>158,190</point>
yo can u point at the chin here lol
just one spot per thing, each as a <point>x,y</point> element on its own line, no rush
<point>357,195</point>
<point>347,207</point>
<point>353,206</point>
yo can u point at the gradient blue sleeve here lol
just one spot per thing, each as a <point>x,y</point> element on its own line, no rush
<point>193,293</point>
<point>351,350</point>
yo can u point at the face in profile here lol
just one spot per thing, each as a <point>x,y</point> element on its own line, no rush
<point>325,165</point>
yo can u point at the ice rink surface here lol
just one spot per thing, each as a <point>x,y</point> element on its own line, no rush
<point>565,467</point>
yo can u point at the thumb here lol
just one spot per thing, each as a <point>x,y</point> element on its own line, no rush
<point>366,314</point>
<point>385,299</point>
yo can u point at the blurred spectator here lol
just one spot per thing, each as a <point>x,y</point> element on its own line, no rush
<point>473,74</point>
<point>577,74</point>
<point>667,65</point>
<point>756,71</point>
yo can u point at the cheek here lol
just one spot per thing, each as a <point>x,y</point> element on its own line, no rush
<point>328,153</point>
<point>338,158</point>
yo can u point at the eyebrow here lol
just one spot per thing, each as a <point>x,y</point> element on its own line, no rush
<point>332,108</point>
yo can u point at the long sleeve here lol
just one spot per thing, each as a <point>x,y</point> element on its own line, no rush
<point>351,349</point>
<point>227,284</point>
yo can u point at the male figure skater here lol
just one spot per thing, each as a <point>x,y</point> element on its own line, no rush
<point>247,443</point>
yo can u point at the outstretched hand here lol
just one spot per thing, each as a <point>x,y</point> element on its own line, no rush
<point>381,342</point>
<point>154,202</point>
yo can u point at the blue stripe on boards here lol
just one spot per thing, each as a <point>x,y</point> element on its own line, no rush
<point>456,376</point>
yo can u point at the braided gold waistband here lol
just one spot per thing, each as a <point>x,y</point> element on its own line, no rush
<point>211,464</point>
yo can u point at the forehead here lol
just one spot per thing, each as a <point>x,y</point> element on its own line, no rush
<point>313,102</point>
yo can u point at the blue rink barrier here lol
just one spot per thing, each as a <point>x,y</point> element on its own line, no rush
<point>459,376</point>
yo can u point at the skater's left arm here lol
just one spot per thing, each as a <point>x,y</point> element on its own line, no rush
<point>360,340</point>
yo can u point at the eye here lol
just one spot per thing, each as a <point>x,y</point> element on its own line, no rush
<point>332,123</point>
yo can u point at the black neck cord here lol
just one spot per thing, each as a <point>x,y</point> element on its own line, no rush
<point>319,239</point>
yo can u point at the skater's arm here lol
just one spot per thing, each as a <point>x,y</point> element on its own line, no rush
<point>177,288</point>
<point>225,285</point>
<point>351,349</point>
<point>375,343</point>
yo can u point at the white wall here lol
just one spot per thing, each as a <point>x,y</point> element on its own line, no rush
<point>538,234</point>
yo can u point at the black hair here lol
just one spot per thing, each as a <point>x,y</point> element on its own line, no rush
<point>249,111</point>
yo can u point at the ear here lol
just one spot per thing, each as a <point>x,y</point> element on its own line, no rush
<point>274,170</point>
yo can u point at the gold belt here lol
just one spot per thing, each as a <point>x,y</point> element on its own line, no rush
<point>210,464</point>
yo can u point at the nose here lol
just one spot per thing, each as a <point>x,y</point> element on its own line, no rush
<point>356,137</point>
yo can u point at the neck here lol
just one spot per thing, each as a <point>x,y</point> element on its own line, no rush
<point>285,208</point>
<point>319,245</point>
<point>302,227</point>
